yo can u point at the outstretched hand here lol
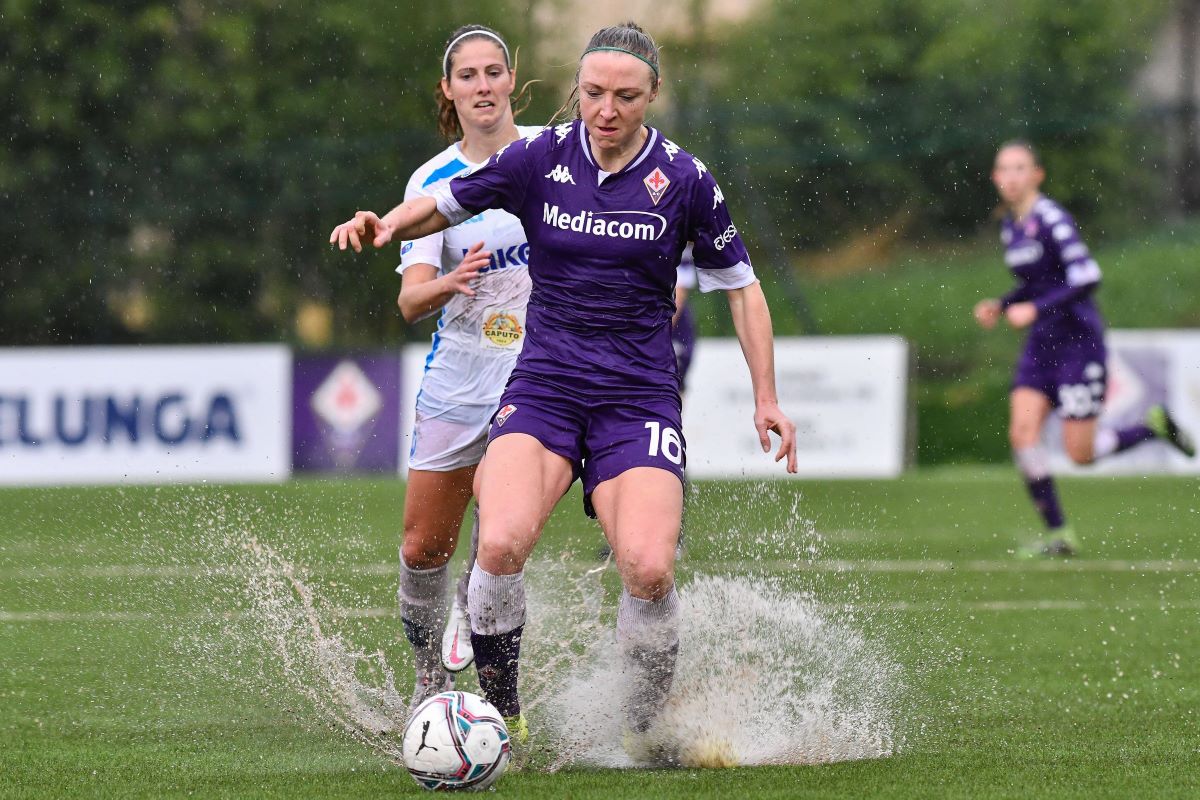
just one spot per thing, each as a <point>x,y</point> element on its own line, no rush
<point>987,313</point>
<point>459,279</point>
<point>769,417</point>
<point>366,226</point>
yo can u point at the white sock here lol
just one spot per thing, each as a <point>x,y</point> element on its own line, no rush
<point>1032,462</point>
<point>495,603</point>
<point>1105,443</point>
<point>422,597</point>
<point>460,591</point>
<point>648,623</point>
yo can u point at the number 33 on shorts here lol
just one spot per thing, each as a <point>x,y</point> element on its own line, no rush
<point>665,440</point>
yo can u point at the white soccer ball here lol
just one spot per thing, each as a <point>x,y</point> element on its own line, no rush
<point>456,740</point>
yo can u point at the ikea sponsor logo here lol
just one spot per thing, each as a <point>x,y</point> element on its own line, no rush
<point>77,421</point>
<point>505,257</point>
<point>609,224</point>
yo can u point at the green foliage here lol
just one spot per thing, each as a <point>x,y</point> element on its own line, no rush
<point>848,114</point>
<point>175,164</point>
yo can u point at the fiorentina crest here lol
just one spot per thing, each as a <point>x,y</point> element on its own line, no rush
<point>656,183</point>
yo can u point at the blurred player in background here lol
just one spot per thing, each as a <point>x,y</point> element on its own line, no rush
<point>1063,366</point>
<point>609,204</point>
<point>683,324</point>
<point>477,275</point>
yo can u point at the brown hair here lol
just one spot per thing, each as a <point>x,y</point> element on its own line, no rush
<point>448,123</point>
<point>1023,144</point>
<point>627,37</point>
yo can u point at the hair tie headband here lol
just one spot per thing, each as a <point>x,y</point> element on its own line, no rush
<point>460,37</point>
<point>641,58</point>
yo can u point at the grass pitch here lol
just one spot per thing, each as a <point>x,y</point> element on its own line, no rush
<point>1026,679</point>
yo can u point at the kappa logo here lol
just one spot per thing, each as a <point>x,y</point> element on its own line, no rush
<point>671,148</point>
<point>656,183</point>
<point>700,168</point>
<point>560,174</point>
<point>503,414</point>
<point>718,198</point>
<point>561,131</point>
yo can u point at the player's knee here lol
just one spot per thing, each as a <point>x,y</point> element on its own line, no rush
<point>423,552</point>
<point>1022,435</point>
<point>1081,453</point>
<point>500,555</point>
<point>650,578</point>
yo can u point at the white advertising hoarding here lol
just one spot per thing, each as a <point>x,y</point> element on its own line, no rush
<point>847,396</point>
<point>145,414</point>
<point>1145,368</point>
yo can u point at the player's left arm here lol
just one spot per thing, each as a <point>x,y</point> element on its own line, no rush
<point>752,321</point>
<point>722,263</point>
<point>1081,270</point>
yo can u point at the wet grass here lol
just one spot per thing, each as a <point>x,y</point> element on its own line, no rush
<point>1026,679</point>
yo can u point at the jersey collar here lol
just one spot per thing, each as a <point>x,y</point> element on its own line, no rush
<point>647,146</point>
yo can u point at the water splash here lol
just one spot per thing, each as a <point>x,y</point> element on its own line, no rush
<point>765,676</point>
<point>767,673</point>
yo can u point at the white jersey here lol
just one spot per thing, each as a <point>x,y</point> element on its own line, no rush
<point>477,338</point>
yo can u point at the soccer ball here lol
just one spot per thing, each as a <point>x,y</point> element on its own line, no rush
<point>456,740</point>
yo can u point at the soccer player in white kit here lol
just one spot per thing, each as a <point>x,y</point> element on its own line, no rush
<point>476,274</point>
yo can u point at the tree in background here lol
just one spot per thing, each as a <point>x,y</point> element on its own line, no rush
<point>171,165</point>
<point>854,114</point>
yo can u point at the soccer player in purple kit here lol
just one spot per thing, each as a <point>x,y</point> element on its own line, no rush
<point>608,204</point>
<point>1063,364</point>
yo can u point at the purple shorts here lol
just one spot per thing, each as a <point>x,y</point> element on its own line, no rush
<point>601,438</point>
<point>1074,378</point>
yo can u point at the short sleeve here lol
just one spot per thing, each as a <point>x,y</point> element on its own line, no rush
<point>500,183</point>
<point>427,249</point>
<point>718,252</point>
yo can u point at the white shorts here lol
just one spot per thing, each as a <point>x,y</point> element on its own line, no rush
<point>442,445</point>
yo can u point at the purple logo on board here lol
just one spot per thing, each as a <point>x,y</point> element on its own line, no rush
<point>346,413</point>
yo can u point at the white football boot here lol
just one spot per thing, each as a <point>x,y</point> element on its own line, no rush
<point>457,653</point>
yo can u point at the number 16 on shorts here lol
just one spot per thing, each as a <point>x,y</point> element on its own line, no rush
<point>665,440</point>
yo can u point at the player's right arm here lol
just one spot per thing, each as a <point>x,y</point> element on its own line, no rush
<point>987,313</point>
<point>423,292</point>
<point>412,219</point>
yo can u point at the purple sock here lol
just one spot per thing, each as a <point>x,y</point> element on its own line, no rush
<point>1133,436</point>
<point>497,663</point>
<point>1045,498</point>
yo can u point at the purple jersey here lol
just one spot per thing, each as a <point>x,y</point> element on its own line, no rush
<point>603,252</point>
<point>1056,273</point>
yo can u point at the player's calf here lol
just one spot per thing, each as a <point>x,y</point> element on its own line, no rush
<point>648,634</point>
